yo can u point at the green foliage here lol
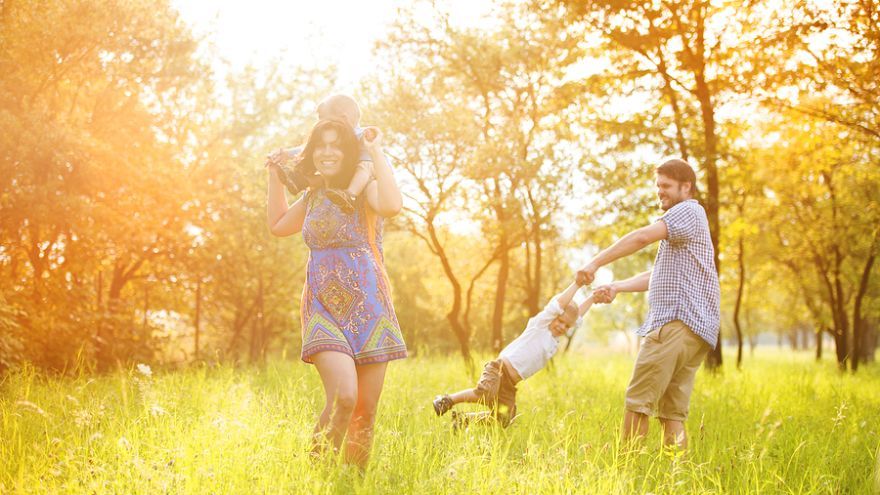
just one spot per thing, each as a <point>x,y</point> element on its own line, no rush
<point>132,192</point>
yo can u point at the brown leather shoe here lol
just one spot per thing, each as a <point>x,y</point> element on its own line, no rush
<point>342,198</point>
<point>293,179</point>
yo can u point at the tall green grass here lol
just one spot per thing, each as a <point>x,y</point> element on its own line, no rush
<point>781,425</point>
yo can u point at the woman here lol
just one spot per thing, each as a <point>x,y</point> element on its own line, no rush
<point>349,327</point>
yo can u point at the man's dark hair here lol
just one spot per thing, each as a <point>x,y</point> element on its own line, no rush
<point>679,170</point>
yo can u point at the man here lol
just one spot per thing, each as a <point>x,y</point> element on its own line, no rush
<point>684,299</point>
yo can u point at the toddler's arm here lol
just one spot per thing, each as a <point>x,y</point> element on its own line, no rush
<point>585,305</point>
<point>565,297</point>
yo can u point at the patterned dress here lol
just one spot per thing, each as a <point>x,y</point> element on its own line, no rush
<point>346,303</point>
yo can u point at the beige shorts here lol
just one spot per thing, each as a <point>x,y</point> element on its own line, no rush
<point>663,377</point>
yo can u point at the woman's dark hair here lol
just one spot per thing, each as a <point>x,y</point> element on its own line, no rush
<point>348,144</point>
<point>679,170</point>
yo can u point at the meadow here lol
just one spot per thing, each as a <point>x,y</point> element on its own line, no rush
<point>783,424</point>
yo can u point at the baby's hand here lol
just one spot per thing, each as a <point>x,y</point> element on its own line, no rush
<point>372,137</point>
<point>277,158</point>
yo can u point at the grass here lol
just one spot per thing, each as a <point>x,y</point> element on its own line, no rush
<point>784,424</point>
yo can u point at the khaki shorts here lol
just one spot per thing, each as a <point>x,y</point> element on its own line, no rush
<point>664,372</point>
<point>496,390</point>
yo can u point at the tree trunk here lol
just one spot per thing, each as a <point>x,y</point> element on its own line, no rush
<point>858,321</point>
<point>534,270</point>
<point>453,316</point>
<point>707,111</point>
<point>500,294</point>
<point>739,297</point>
<point>843,351</point>
<point>257,330</point>
<point>820,336</point>
<point>197,317</point>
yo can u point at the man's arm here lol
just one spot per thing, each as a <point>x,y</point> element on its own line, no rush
<point>626,245</point>
<point>639,283</point>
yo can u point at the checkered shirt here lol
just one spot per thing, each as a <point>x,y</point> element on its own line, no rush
<point>684,284</point>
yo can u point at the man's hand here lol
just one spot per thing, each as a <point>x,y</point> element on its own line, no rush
<point>604,294</point>
<point>586,274</point>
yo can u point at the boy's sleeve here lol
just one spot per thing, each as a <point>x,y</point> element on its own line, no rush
<point>550,311</point>
<point>681,222</point>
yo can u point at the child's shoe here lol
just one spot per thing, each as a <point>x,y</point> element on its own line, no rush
<point>294,180</point>
<point>343,199</point>
<point>442,404</point>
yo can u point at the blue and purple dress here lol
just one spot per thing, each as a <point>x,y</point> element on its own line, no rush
<point>346,302</point>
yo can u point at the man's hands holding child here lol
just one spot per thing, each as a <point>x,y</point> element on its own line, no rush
<point>604,294</point>
<point>586,274</point>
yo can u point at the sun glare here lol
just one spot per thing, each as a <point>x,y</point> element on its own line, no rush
<point>337,32</point>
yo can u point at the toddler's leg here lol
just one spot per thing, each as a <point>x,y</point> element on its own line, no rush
<point>345,198</point>
<point>461,421</point>
<point>467,395</point>
<point>443,403</point>
<point>361,178</point>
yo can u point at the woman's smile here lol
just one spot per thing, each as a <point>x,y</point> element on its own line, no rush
<point>328,156</point>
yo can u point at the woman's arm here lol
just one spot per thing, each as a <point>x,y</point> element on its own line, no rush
<point>383,195</point>
<point>283,220</point>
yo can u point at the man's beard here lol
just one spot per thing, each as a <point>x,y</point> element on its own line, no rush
<point>671,203</point>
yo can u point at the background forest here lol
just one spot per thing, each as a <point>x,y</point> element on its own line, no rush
<point>132,188</point>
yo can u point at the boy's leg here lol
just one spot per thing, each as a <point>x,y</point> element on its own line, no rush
<point>346,198</point>
<point>463,420</point>
<point>443,403</point>
<point>486,391</point>
<point>467,395</point>
<point>505,407</point>
<point>361,178</point>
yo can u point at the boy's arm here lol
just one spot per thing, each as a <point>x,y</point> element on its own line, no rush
<point>565,297</point>
<point>626,245</point>
<point>584,306</point>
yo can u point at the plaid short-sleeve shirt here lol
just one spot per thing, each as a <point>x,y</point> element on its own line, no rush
<point>684,285</point>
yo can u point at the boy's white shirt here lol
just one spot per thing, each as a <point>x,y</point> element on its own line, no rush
<point>532,350</point>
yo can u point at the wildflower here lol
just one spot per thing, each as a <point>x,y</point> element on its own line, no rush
<point>82,418</point>
<point>30,406</point>
<point>144,369</point>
